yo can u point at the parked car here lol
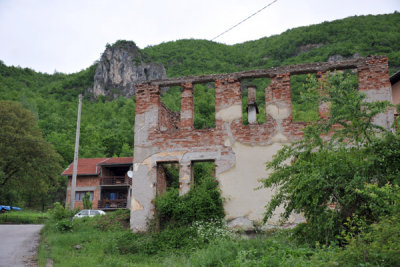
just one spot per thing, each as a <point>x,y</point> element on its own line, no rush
<point>89,213</point>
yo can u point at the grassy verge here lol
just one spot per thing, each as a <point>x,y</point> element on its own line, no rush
<point>23,217</point>
<point>103,241</point>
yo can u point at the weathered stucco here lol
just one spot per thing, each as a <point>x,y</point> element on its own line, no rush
<point>230,114</point>
<point>239,183</point>
<point>239,151</point>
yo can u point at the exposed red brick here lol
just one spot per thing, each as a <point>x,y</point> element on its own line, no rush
<point>373,74</point>
<point>227,93</point>
<point>323,108</point>
<point>187,107</point>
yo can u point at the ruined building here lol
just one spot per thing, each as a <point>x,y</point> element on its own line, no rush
<point>239,151</point>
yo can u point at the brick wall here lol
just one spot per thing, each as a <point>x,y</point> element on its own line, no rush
<point>82,183</point>
<point>168,120</point>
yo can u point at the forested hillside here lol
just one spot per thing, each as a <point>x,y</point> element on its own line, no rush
<point>107,126</point>
<point>363,35</point>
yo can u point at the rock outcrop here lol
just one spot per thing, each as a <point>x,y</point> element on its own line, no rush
<point>121,67</point>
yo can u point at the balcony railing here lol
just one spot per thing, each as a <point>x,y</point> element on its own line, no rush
<point>112,204</point>
<point>115,180</point>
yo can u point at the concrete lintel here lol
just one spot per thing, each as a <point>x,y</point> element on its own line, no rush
<point>201,156</point>
<point>85,188</point>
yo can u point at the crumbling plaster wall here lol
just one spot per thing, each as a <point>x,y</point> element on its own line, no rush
<point>239,151</point>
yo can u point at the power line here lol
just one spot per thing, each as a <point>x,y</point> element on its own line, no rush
<point>244,20</point>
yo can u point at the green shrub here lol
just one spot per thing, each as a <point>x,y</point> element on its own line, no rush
<point>172,238</point>
<point>203,202</point>
<point>64,225</point>
<point>335,170</point>
<point>380,246</point>
<point>127,243</point>
<point>382,200</point>
<point>114,220</point>
<point>59,212</point>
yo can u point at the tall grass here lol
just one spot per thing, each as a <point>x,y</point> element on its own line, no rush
<point>23,217</point>
<point>97,242</point>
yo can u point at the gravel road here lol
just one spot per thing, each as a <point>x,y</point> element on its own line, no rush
<point>18,244</point>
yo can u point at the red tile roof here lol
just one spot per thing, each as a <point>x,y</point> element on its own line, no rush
<point>112,161</point>
<point>91,166</point>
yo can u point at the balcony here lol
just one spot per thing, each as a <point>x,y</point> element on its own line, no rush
<point>115,180</point>
<point>106,204</point>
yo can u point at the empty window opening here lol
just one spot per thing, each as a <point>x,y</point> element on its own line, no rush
<point>205,191</point>
<point>167,179</point>
<point>204,105</point>
<point>167,176</point>
<point>309,107</point>
<point>253,100</point>
<point>304,104</point>
<point>351,76</point>
<point>202,170</point>
<point>171,97</point>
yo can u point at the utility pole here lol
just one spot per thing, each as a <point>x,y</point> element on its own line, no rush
<point>75,166</point>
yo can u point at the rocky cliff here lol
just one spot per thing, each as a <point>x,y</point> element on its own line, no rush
<point>121,67</point>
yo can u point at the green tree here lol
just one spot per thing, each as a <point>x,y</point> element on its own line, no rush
<point>333,162</point>
<point>87,204</point>
<point>29,165</point>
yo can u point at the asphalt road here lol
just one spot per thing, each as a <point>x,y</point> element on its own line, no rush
<point>18,244</point>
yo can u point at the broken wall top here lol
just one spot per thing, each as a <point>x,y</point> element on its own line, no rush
<point>162,129</point>
<point>271,72</point>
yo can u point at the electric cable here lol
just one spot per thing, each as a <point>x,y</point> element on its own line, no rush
<point>244,20</point>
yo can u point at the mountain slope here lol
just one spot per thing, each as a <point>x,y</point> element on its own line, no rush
<point>363,35</point>
<point>107,127</point>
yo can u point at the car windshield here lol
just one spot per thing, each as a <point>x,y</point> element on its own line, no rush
<point>95,212</point>
<point>84,212</point>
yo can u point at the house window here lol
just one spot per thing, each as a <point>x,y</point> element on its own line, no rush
<point>79,195</point>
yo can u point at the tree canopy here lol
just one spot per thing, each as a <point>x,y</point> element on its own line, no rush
<point>29,165</point>
<point>326,175</point>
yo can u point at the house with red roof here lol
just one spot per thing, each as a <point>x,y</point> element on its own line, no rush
<point>105,179</point>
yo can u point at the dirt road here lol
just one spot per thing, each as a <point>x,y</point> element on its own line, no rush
<point>18,244</point>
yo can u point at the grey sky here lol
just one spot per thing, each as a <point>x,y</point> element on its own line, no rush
<point>69,35</point>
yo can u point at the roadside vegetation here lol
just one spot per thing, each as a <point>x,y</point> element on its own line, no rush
<point>104,241</point>
<point>23,217</point>
<point>191,239</point>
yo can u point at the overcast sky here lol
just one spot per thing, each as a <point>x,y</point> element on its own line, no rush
<point>69,35</point>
